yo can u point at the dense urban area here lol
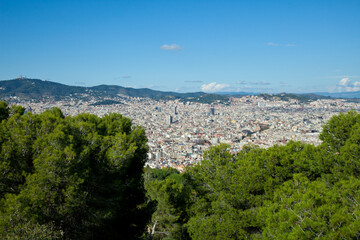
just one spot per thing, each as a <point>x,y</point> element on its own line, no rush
<point>180,131</point>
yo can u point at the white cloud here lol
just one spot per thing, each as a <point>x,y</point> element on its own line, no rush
<point>290,45</point>
<point>344,81</point>
<point>347,85</point>
<point>272,44</point>
<point>171,47</point>
<point>214,87</point>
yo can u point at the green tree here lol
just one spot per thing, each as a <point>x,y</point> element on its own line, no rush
<point>230,189</point>
<point>72,177</point>
<point>16,109</point>
<point>4,110</point>
<point>339,129</point>
<point>17,137</point>
<point>341,146</point>
<point>167,188</point>
<point>304,209</point>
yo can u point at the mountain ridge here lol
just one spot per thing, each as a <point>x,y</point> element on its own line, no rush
<point>37,89</point>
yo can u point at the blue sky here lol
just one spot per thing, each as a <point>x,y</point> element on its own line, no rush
<point>186,46</point>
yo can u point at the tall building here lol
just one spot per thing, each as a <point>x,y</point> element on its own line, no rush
<point>212,111</point>
<point>170,119</point>
<point>158,155</point>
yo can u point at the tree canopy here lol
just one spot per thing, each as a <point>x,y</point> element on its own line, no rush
<point>71,177</point>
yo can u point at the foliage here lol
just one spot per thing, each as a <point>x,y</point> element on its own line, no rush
<point>231,188</point>
<point>4,111</point>
<point>304,209</point>
<point>71,178</point>
<point>168,190</point>
<point>339,129</point>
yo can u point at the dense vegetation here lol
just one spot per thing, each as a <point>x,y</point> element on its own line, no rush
<point>82,177</point>
<point>70,177</point>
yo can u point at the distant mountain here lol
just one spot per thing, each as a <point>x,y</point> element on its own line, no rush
<point>113,90</point>
<point>39,89</point>
<point>306,97</point>
<point>36,89</point>
<point>311,96</point>
<point>341,94</point>
<point>302,97</point>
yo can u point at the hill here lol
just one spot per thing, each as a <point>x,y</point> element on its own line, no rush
<point>308,97</point>
<point>341,94</point>
<point>36,89</point>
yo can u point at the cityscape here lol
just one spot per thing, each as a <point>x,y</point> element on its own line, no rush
<point>179,132</point>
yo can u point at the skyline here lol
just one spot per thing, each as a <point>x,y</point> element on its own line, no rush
<point>185,46</point>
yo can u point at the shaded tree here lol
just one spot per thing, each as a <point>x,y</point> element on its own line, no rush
<point>4,110</point>
<point>168,190</point>
<point>72,177</point>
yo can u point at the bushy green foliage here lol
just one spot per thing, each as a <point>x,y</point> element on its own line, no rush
<point>340,129</point>
<point>71,177</point>
<point>4,111</point>
<point>304,209</point>
<point>167,188</point>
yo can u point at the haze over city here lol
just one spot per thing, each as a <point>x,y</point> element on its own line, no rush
<point>185,46</point>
